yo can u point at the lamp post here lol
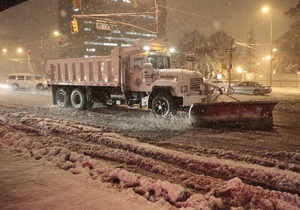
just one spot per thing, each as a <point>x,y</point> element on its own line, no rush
<point>266,9</point>
<point>44,42</point>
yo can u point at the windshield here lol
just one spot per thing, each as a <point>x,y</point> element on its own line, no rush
<point>159,61</point>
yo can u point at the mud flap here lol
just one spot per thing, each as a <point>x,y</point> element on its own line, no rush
<point>250,114</point>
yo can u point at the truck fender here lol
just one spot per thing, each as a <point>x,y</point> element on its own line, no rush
<point>158,90</point>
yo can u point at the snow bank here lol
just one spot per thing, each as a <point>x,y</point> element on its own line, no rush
<point>222,194</point>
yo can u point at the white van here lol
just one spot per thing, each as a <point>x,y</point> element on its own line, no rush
<point>26,80</point>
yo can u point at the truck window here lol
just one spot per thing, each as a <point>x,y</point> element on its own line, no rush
<point>159,61</point>
<point>138,63</point>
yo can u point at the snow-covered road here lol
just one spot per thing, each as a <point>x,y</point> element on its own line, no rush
<point>170,164</point>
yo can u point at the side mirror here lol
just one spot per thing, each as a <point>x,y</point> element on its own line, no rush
<point>148,70</point>
<point>147,66</point>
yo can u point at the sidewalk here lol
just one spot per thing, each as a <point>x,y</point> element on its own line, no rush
<point>286,90</point>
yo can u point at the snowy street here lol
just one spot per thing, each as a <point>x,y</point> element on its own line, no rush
<point>144,162</point>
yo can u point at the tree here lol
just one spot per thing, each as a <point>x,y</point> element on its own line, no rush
<point>288,44</point>
<point>210,52</point>
<point>249,57</point>
<point>217,45</point>
<point>191,42</point>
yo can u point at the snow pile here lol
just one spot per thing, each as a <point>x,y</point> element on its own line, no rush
<point>250,197</point>
<point>222,195</point>
<point>2,119</point>
<point>289,105</point>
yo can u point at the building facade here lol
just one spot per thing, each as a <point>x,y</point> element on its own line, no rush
<point>106,24</point>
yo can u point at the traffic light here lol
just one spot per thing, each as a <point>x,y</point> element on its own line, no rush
<point>76,5</point>
<point>74,27</point>
<point>60,40</point>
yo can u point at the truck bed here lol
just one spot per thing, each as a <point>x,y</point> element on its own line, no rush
<point>96,71</point>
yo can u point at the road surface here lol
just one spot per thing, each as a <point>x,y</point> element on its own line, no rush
<point>222,167</point>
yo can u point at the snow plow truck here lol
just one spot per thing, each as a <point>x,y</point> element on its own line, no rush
<point>138,75</point>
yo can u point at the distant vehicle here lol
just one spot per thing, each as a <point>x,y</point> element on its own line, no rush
<point>221,83</point>
<point>251,88</point>
<point>26,81</point>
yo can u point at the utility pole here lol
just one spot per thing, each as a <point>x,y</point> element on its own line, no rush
<point>271,50</point>
<point>231,42</point>
<point>156,18</point>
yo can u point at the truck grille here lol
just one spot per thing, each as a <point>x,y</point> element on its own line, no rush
<point>195,83</point>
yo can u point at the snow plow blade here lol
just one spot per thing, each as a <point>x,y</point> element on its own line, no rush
<point>249,114</point>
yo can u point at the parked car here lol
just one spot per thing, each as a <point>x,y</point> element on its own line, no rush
<point>251,88</point>
<point>25,81</point>
<point>221,83</point>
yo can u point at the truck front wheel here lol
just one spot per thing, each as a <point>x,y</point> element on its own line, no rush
<point>78,99</point>
<point>62,98</point>
<point>163,106</point>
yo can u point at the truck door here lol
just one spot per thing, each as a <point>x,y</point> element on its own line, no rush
<point>136,74</point>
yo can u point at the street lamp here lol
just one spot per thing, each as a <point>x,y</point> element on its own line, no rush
<point>266,9</point>
<point>44,42</point>
<point>240,71</point>
<point>19,50</point>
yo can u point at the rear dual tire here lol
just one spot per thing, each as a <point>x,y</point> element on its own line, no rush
<point>62,98</point>
<point>79,100</point>
<point>76,99</point>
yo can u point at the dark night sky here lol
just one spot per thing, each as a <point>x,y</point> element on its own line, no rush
<point>235,17</point>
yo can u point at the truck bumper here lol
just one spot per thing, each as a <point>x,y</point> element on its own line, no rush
<point>189,100</point>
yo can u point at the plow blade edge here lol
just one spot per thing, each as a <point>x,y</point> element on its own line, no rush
<point>250,114</point>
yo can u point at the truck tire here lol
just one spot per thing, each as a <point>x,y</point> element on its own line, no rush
<point>78,99</point>
<point>62,98</point>
<point>163,106</point>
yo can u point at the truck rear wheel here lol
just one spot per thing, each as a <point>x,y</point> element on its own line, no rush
<point>163,106</point>
<point>62,98</point>
<point>78,99</point>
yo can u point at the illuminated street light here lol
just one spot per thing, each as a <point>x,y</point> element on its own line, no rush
<point>172,50</point>
<point>4,50</point>
<point>268,58</point>
<point>56,33</point>
<point>46,41</point>
<point>266,9</point>
<point>19,50</point>
<point>239,69</point>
